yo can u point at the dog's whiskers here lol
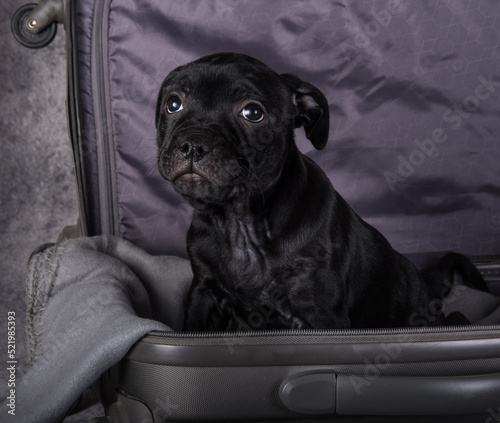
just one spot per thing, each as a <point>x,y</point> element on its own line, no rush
<point>250,173</point>
<point>151,168</point>
<point>259,184</point>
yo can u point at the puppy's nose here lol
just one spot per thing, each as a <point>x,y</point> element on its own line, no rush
<point>194,149</point>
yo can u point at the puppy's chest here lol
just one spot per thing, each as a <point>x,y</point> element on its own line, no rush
<point>249,247</point>
<point>253,262</point>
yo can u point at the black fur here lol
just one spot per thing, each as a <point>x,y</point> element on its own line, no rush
<point>272,244</point>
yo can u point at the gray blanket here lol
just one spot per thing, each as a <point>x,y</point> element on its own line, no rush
<point>90,299</point>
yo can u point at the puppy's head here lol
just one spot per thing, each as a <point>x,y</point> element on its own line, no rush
<point>225,126</point>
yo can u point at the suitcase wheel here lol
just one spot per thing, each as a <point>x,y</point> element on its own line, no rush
<point>26,28</point>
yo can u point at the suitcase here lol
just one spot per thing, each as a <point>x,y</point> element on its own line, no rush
<point>414,92</point>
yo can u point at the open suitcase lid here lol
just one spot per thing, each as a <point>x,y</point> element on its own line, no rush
<point>414,92</point>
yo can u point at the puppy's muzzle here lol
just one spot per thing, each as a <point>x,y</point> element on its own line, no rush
<point>200,163</point>
<point>185,154</point>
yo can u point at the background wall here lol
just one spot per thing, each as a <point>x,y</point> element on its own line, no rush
<point>37,185</point>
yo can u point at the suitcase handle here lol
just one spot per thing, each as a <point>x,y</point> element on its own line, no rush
<point>330,393</point>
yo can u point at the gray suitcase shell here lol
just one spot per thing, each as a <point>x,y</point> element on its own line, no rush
<point>451,374</point>
<point>414,90</point>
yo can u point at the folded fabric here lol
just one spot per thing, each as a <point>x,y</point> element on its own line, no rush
<point>89,300</point>
<point>479,307</point>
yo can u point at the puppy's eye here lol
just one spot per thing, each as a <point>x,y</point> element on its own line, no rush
<point>252,112</point>
<point>174,104</point>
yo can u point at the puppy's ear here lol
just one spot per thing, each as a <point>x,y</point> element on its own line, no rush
<point>312,110</point>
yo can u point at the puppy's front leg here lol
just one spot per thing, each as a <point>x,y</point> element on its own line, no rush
<point>206,309</point>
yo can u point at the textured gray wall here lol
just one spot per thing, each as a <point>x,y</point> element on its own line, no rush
<point>37,185</point>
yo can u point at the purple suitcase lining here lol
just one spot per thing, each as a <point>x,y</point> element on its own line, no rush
<point>414,92</point>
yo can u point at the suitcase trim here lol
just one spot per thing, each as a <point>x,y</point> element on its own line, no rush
<point>108,201</point>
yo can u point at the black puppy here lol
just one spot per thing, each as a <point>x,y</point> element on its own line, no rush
<point>272,244</point>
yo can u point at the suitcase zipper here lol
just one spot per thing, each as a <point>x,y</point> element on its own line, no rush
<point>102,118</point>
<point>327,332</point>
